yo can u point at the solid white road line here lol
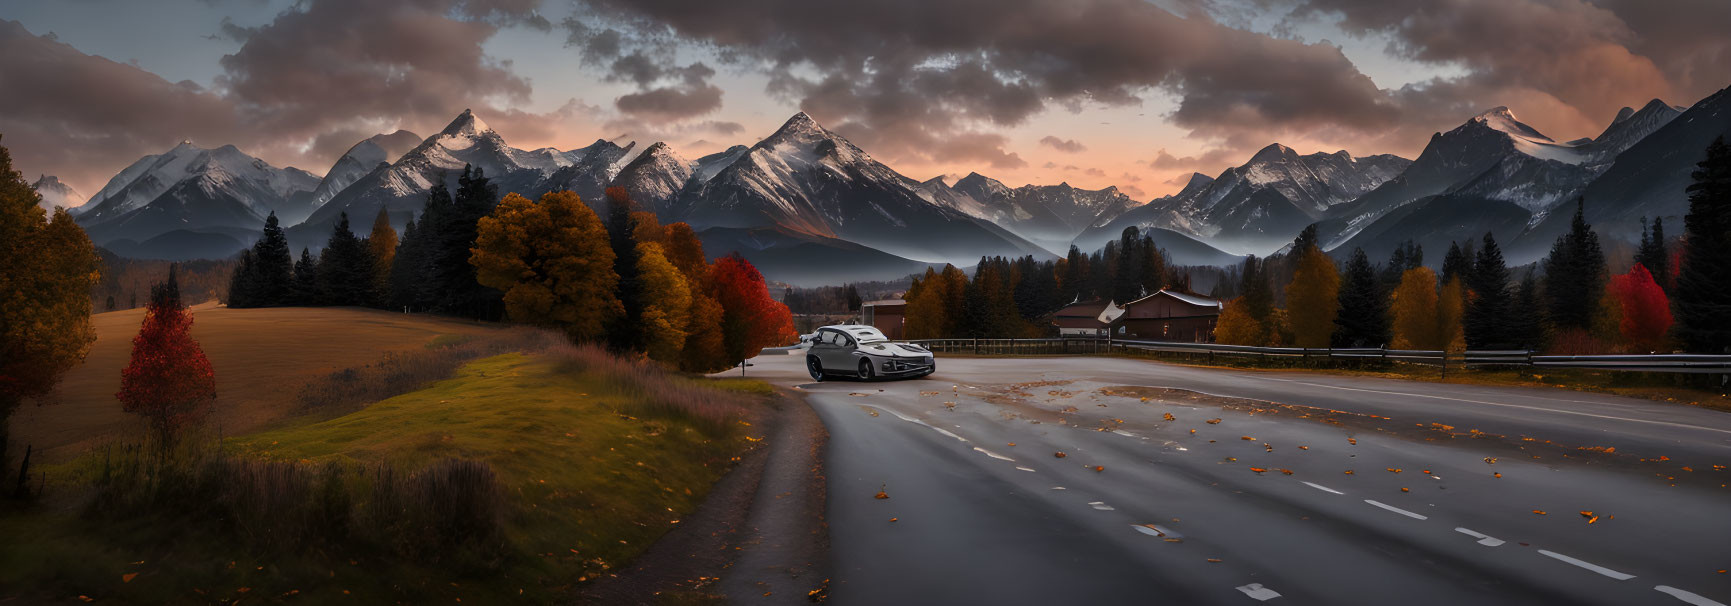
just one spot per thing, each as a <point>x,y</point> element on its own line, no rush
<point>1588,565</point>
<point>1256,590</point>
<point>1024,468</point>
<point>1484,539</point>
<point>1505,405</point>
<point>1099,506</point>
<point>1397,510</point>
<point>1687,597</point>
<point>1323,488</point>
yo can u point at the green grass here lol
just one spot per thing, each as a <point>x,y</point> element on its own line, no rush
<point>756,387</point>
<point>588,484</point>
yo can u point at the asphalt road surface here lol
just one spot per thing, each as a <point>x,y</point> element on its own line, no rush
<point>1262,486</point>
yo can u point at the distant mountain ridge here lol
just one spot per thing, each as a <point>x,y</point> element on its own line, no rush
<point>57,194</point>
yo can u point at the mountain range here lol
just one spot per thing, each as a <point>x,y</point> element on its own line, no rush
<point>810,207</point>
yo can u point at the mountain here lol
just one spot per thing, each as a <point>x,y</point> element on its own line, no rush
<point>402,186</point>
<point>1048,215</point>
<point>1261,205</point>
<point>54,193</point>
<point>808,180</point>
<point>1522,196</point>
<point>363,158</point>
<point>655,177</point>
<point>193,190</point>
<point>804,259</point>
<point>1648,179</point>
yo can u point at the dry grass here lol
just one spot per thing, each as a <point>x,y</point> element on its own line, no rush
<point>653,390</point>
<point>262,357</point>
<point>401,372</point>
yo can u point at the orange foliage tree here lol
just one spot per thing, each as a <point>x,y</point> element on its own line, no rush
<point>1646,311</point>
<point>1416,322</point>
<point>750,319</point>
<point>553,262</point>
<point>1312,299</point>
<point>1236,325</point>
<point>168,381</point>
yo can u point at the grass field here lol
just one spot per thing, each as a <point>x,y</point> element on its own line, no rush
<point>261,358</point>
<point>589,460</point>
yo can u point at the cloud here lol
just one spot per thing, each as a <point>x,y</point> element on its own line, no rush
<point>299,89</point>
<point>1068,146</point>
<point>1095,172</point>
<point>1211,159</point>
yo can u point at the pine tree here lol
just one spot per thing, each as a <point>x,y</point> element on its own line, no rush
<point>1575,275</point>
<point>1254,289</point>
<point>1127,277</point>
<point>275,264</point>
<point>404,288</point>
<point>1075,282</point>
<point>1153,265</point>
<point>1407,255</point>
<point>1652,254</point>
<point>626,334</point>
<point>1486,322</point>
<point>1526,317</point>
<point>1363,317</point>
<point>1701,299</point>
<point>458,291</point>
<point>345,268</point>
<point>304,290</point>
<point>243,284</point>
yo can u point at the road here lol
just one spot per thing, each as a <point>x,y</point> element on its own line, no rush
<point>1262,486</point>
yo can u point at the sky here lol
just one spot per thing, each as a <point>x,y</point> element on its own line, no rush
<point>1135,94</point>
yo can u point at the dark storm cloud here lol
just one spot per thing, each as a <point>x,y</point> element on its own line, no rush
<point>300,89</point>
<point>906,77</point>
<point>1069,146</point>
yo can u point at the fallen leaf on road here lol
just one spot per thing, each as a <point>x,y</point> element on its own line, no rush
<point>1231,459</point>
<point>1686,468</point>
<point>928,393</point>
<point>1214,421</point>
<point>1427,472</point>
<point>1169,417</point>
<point>127,578</point>
<point>1490,460</point>
<point>1349,472</point>
<point>1247,438</point>
<point>1540,512</point>
<point>881,493</point>
<point>1403,489</point>
<point>894,519</point>
<point>1286,471</point>
<point>1496,474</point>
<point>1258,469</point>
<point>1394,470</point>
<point>1060,454</point>
<point>1213,560</point>
<point>1593,520</point>
<point>1586,514</point>
<point>1192,432</point>
<point>1352,441</point>
<point>1012,443</point>
<point>1172,540</point>
<point>1304,448</point>
<point>1664,458</point>
<point>1099,468</point>
<point>1268,448</point>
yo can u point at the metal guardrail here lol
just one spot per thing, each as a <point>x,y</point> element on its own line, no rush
<point>1674,363</point>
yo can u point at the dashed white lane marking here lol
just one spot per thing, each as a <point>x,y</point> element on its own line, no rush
<point>1323,488</point>
<point>1156,530</point>
<point>1588,565</point>
<point>1099,506</point>
<point>1125,433</point>
<point>1686,597</point>
<point>1505,405</point>
<point>1397,510</point>
<point>1484,539</point>
<point>1256,590</point>
<point>1024,468</point>
<point>994,455</point>
<point>928,426</point>
<point>1058,488</point>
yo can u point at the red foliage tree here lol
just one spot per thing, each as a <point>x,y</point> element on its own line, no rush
<point>750,319</point>
<point>1646,310</point>
<point>168,381</point>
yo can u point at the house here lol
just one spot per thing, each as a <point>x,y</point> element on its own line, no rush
<point>1086,319</point>
<point>1169,316</point>
<point>887,315</point>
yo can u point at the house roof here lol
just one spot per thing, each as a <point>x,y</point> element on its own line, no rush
<point>884,302</point>
<point>1085,309</point>
<point>1197,300</point>
<point>1078,322</point>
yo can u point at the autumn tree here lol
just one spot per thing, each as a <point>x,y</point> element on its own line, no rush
<point>925,315</point>
<point>666,304</point>
<point>1702,296</point>
<point>1312,298</point>
<point>552,260</point>
<point>1414,309</point>
<point>49,267</point>
<point>382,243</point>
<point>751,320</point>
<point>1237,326</point>
<point>1363,317</point>
<point>168,381</point>
<point>1646,312</point>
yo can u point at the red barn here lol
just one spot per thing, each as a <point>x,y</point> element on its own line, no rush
<point>1169,316</point>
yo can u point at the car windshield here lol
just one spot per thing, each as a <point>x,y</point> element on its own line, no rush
<point>868,335</point>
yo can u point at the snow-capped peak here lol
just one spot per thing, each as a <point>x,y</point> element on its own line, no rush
<point>1501,119</point>
<point>466,124</point>
<point>55,193</point>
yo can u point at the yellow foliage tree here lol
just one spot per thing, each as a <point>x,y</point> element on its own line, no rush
<point>1414,306</point>
<point>553,262</point>
<point>1450,309</point>
<point>1237,326</point>
<point>666,303</point>
<point>383,244</point>
<point>49,266</point>
<point>1312,299</point>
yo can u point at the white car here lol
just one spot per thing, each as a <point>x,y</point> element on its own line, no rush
<point>865,353</point>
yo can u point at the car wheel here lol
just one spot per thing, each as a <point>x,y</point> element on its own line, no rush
<point>815,367</point>
<point>865,369</point>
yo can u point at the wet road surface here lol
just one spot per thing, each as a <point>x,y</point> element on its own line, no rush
<point>1261,486</point>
